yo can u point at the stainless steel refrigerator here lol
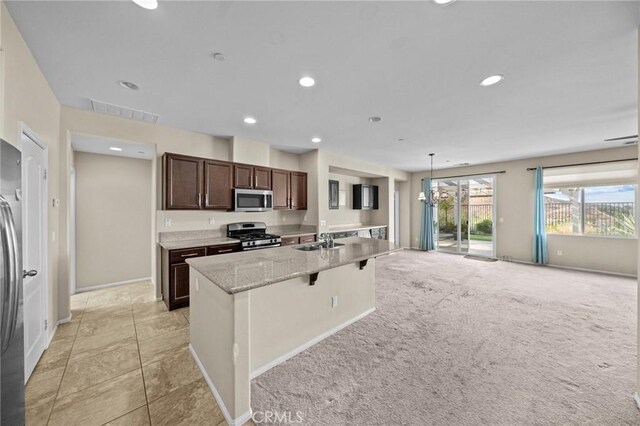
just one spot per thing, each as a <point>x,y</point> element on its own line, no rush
<point>11,275</point>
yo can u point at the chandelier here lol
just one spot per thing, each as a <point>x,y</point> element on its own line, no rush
<point>434,196</point>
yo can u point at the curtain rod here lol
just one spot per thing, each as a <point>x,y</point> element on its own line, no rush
<point>584,164</point>
<point>499,172</point>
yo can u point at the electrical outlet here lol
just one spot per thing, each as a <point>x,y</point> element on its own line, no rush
<point>167,222</point>
<point>323,223</point>
<point>212,221</point>
<point>334,301</point>
<point>501,219</point>
<point>559,252</point>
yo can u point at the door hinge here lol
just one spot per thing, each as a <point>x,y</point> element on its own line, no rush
<point>45,173</point>
<point>46,324</point>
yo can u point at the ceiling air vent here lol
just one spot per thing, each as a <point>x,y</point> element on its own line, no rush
<point>120,111</point>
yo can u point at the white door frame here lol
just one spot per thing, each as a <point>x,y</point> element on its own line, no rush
<point>72,231</point>
<point>23,129</point>
<point>494,178</point>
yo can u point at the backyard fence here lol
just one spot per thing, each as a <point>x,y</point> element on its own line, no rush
<point>475,213</point>
<point>599,218</point>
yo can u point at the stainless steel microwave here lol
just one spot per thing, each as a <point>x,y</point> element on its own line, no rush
<point>252,200</point>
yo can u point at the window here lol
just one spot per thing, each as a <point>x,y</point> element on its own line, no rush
<point>592,210</point>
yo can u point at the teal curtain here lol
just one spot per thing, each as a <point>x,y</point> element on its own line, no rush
<point>426,222</point>
<point>540,254</point>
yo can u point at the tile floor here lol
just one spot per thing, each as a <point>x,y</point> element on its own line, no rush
<point>122,360</point>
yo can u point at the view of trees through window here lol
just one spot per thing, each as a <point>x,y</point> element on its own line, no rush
<point>594,210</point>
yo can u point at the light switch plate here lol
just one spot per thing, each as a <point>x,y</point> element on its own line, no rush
<point>334,301</point>
<point>167,221</point>
<point>559,252</point>
<point>212,221</point>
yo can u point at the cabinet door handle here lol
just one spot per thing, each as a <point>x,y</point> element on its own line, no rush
<point>199,198</point>
<point>206,199</point>
<point>225,250</point>
<point>189,255</point>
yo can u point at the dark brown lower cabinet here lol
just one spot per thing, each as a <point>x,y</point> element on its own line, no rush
<point>175,271</point>
<point>290,241</point>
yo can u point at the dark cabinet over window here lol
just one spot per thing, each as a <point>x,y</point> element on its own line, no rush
<point>289,190</point>
<point>365,197</point>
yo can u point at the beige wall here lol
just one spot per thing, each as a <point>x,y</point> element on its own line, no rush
<point>250,152</point>
<point>327,161</point>
<point>345,215</point>
<point>514,227</point>
<point>27,98</point>
<point>113,219</point>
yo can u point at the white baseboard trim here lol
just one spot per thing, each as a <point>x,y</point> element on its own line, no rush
<point>65,320</point>
<point>575,268</point>
<point>116,284</point>
<point>238,421</point>
<point>55,328</point>
<point>258,371</point>
<point>53,333</point>
<point>636,397</point>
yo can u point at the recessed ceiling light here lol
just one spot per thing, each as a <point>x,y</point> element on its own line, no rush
<point>491,80</point>
<point>306,82</point>
<point>219,56</point>
<point>115,148</point>
<point>316,140</point>
<point>250,120</point>
<point>128,85</point>
<point>443,2</point>
<point>375,119</point>
<point>147,4</point>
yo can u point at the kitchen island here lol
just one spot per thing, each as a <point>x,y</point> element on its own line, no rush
<point>252,311</point>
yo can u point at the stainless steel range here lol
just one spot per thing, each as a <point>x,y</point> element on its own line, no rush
<point>252,235</point>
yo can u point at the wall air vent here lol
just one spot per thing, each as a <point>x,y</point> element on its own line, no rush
<point>124,112</point>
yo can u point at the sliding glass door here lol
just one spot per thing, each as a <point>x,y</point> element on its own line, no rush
<point>465,215</point>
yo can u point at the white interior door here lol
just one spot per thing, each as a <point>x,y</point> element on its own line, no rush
<point>34,190</point>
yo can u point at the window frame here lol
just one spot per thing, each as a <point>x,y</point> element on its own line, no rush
<point>583,210</point>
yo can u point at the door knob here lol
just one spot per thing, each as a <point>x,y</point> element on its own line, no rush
<point>31,273</point>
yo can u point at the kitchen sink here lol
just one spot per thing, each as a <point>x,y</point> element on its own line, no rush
<point>316,246</point>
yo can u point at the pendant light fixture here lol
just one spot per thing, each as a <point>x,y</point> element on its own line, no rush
<point>434,197</point>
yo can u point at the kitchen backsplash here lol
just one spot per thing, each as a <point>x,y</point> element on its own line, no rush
<point>184,220</point>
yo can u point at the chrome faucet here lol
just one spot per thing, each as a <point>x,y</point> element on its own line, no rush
<point>327,239</point>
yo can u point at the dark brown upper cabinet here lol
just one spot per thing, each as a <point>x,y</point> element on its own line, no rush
<point>262,178</point>
<point>281,188</point>
<point>183,182</point>
<point>298,191</point>
<point>242,176</point>
<point>218,185</point>
<point>192,183</point>
<point>289,190</point>
<point>251,177</point>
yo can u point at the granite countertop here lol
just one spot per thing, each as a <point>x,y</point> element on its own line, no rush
<point>202,242</point>
<point>188,239</point>
<point>242,271</point>
<point>342,228</point>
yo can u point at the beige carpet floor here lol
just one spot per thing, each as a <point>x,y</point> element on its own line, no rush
<point>455,341</point>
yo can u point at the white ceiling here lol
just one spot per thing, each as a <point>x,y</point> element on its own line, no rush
<point>570,72</point>
<point>100,145</point>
